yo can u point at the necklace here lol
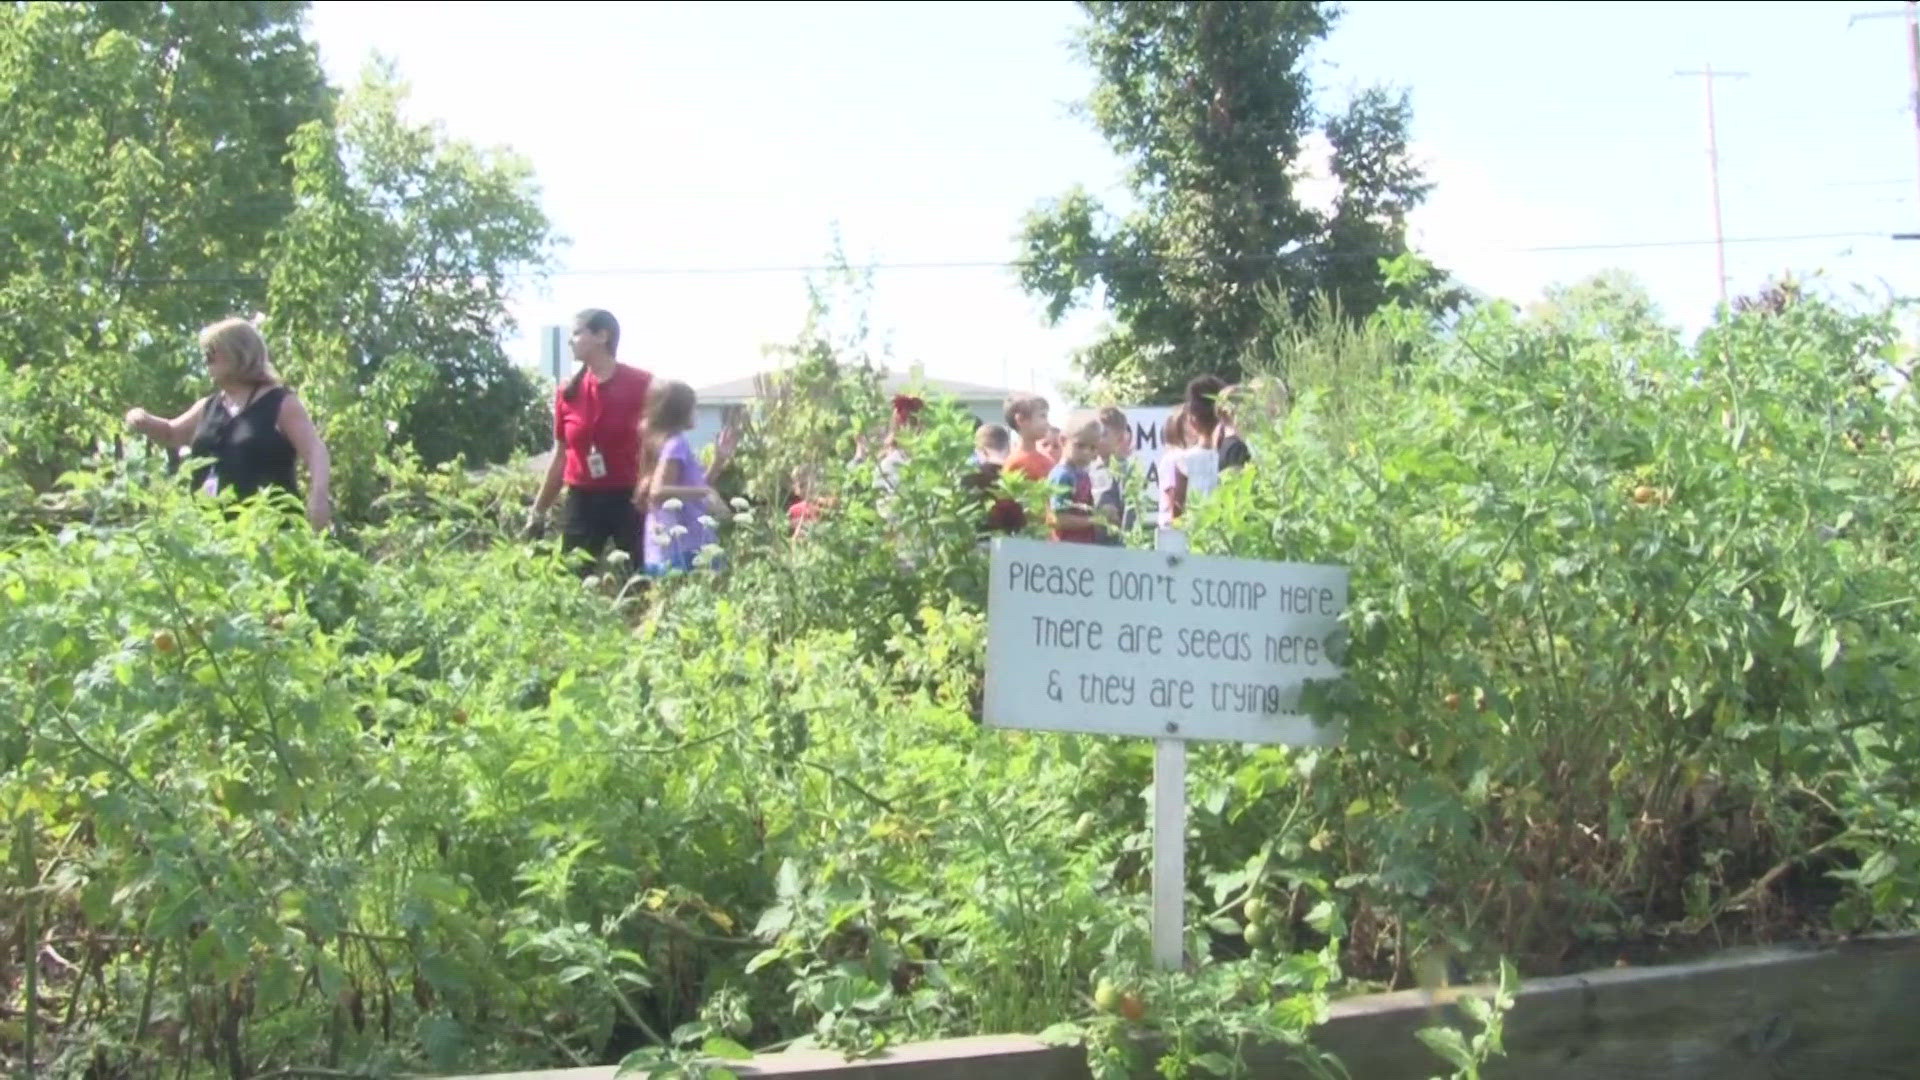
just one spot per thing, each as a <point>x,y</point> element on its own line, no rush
<point>234,407</point>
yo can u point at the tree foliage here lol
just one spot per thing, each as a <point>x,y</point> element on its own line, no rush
<point>165,165</point>
<point>1212,108</point>
<point>1611,305</point>
<point>823,400</point>
<point>390,281</point>
<point>142,168</point>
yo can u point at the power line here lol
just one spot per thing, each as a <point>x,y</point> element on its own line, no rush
<point>748,270</point>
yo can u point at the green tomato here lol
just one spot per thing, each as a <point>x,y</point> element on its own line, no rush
<point>1256,910</point>
<point>1083,828</point>
<point>1106,996</point>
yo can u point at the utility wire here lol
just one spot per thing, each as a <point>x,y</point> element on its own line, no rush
<point>1090,264</point>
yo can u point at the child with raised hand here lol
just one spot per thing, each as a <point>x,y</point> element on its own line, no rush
<point>1070,509</point>
<point>684,507</point>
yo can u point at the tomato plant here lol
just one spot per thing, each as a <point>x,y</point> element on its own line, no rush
<point>1631,657</point>
<point>1633,626</point>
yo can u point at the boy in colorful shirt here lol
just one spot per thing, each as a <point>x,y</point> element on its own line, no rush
<point>1070,509</point>
<point>1027,417</point>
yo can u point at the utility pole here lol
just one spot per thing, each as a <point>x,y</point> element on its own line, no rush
<point>1912,14</point>
<point>1707,75</point>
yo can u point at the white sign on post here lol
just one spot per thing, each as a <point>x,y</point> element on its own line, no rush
<point>1113,641</point>
<point>1162,645</point>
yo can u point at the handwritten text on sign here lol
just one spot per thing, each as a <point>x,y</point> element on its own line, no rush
<point>1119,642</point>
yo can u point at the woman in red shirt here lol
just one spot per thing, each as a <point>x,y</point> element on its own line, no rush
<point>597,417</point>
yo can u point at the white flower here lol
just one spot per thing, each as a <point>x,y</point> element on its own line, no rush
<point>744,517</point>
<point>591,582</point>
<point>393,427</point>
<point>740,503</point>
<point>677,531</point>
<point>707,520</point>
<point>617,557</point>
<point>672,504</point>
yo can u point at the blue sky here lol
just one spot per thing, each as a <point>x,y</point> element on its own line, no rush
<point>695,154</point>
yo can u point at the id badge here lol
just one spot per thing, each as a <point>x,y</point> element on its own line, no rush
<point>596,464</point>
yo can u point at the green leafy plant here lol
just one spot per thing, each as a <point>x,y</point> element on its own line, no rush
<point>1630,662</point>
<point>1626,616</point>
<point>170,165</point>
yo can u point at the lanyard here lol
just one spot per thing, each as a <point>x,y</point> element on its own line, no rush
<point>599,408</point>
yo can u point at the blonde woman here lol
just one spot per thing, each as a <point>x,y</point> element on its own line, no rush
<point>251,427</point>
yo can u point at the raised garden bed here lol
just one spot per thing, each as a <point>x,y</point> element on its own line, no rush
<point>1843,1010</point>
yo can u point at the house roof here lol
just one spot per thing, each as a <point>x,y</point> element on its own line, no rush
<point>737,391</point>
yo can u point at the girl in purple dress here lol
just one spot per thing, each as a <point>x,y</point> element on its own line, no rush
<point>683,508</point>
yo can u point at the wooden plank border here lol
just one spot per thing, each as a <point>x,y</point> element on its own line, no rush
<point>1846,1010</point>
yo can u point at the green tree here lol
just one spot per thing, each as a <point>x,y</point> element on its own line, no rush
<point>1611,304</point>
<point>1211,105</point>
<point>165,165</point>
<point>390,283</point>
<point>142,166</point>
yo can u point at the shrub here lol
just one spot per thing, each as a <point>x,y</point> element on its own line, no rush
<point>1631,656</point>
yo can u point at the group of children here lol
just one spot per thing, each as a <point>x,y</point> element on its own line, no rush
<point>1089,466</point>
<point>632,478</point>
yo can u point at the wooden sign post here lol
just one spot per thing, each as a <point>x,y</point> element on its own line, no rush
<point>1162,645</point>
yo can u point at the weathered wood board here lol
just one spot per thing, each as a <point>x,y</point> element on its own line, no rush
<point>1839,1011</point>
<point>1849,1010</point>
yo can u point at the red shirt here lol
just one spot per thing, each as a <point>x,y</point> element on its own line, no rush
<point>1031,464</point>
<point>802,514</point>
<point>604,415</point>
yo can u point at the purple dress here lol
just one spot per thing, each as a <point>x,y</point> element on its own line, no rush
<point>675,537</point>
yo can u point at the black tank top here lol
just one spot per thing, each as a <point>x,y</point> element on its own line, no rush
<point>247,448</point>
